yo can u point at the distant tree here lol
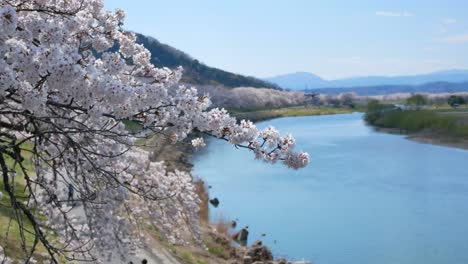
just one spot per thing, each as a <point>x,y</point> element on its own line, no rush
<point>374,110</point>
<point>347,99</point>
<point>312,99</point>
<point>374,105</point>
<point>316,101</point>
<point>456,100</point>
<point>417,100</point>
<point>332,100</point>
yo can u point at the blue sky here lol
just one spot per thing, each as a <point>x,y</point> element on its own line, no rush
<point>330,38</point>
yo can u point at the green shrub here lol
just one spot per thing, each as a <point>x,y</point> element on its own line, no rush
<point>218,251</point>
<point>374,111</point>
<point>415,121</point>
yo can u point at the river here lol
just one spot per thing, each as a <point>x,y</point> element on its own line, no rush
<point>366,197</point>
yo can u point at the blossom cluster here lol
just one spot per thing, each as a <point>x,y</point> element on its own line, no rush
<point>198,143</point>
<point>64,87</point>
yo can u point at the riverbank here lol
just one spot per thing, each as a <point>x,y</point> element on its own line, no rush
<point>368,178</point>
<point>428,137</point>
<point>218,236</point>
<point>257,115</point>
<point>431,126</point>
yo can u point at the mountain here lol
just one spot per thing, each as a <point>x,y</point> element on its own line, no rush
<point>298,81</point>
<point>302,80</point>
<point>433,87</point>
<point>196,72</point>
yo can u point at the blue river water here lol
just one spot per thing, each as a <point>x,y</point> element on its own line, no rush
<point>366,197</point>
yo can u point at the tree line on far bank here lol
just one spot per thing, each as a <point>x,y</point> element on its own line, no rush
<point>420,100</point>
<point>415,118</point>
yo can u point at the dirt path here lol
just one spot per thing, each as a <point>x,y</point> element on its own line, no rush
<point>154,255</point>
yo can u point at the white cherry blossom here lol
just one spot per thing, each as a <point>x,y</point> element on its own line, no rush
<point>64,91</point>
<point>198,143</point>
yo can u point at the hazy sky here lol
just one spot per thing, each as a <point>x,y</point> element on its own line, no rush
<point>330,38</point>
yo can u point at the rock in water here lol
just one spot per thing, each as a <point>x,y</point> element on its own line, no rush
<point>214,202</point>
<point>259,253</point>
<point>257,243</point>
<point>242,236</point>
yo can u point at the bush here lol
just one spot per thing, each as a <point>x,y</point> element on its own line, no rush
<point>417,100</point>
<point>374,111</point>
<point>456,100</point>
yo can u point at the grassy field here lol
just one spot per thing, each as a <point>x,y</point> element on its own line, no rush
<point>256,114</point>
<point>265,114</point>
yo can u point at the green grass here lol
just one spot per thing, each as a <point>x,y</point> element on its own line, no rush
<point>131,126</point>
<point>8,222</point>
<point>182,253</point>
<point>413,121</point>
<point>189,258</point>
<point>446,108</point>
<point>235,110</point>
<point>27,163</point>
<point>265,114</point>
<point>218,251</point>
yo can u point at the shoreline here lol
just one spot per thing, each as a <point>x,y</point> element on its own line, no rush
<point>259,116</point>
<point>426,137</point>
<point>295,111</point>
<point>181,156</point>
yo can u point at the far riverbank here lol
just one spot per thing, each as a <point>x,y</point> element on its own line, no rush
<point>258,115</point>
<point>433,126</point>
<point>368,190</point>
<point>428,137</point>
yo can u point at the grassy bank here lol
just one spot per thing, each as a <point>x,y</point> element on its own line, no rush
<point>216,236</point>
<point>261,114</point>
<point>10,234</point>
<point>428,125</point>
<point>218,244</point>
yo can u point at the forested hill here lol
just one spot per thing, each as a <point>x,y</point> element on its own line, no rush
<point>195,72</point>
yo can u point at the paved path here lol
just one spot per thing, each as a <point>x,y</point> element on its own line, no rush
<point>152,255</point>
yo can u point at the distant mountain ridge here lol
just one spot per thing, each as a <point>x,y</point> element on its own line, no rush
<point>304,80</point>
<point>433,87</point>
<point>195,72</point>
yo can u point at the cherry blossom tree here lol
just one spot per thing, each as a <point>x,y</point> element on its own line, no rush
<point>64,95</point>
